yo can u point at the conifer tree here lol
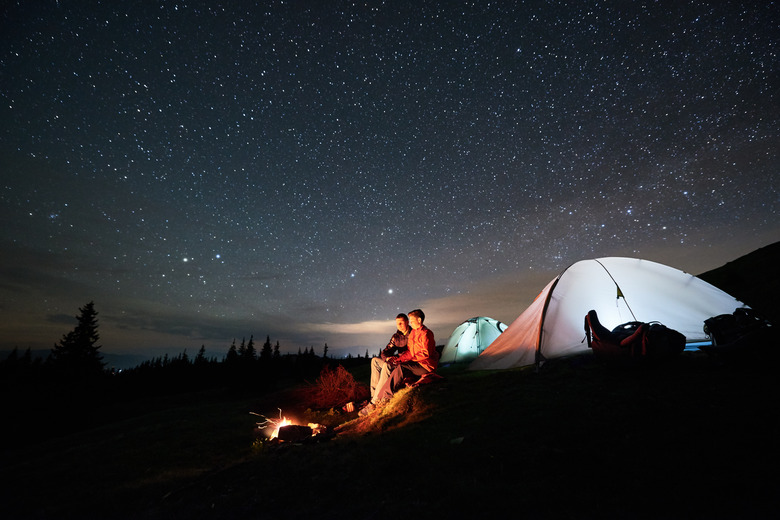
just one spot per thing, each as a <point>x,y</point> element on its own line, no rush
<point>232,354</point>
<point>13,357</point>
<point>250,353</point>
<point>266,352</point>
<point>27,357</point>
<point>277,354</point>
<point>77,353</point>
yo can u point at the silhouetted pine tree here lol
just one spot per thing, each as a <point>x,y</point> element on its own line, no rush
<point>200,359</point>
<point>77,354</point>
<point>277,354</point>
<point>250,354</point>
<point>12,357</point>
<point>16,369</point>
<point>266,352</point>
<point>27,360</point>
<point>232,355</point>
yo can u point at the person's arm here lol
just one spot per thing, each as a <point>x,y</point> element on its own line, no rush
<point>431,358</point>
<point>407,354</point>
<point>426,354</point>
<point>421,348</point>
<point>388,350</point>
<point>430,345</point>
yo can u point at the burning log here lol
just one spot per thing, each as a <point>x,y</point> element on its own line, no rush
<point>285,431</point>
<point>294,433</point>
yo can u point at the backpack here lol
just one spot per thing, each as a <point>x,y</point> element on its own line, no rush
<point>728,328</point>
<point>633,340</point>
<point>741,335</point>
<point>660,341</point>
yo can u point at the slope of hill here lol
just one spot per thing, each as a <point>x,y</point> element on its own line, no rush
<point>693,439</point>
<point>576,440</point>
<point>753,279</point>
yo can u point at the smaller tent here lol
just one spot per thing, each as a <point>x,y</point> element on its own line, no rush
<point>470,338</point>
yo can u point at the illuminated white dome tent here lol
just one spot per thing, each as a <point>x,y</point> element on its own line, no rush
<point>619,290</point>
<point>470,338</point>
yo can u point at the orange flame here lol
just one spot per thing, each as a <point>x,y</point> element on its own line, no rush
<point>284,422</point>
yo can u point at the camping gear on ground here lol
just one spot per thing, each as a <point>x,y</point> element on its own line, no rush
<point>740,330</point>
<point>470,338</point>
<point>620,290</point>
<point>634,340</point>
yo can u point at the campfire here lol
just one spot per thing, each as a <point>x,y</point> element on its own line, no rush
<point>285,430</point>
<point>283,423</point>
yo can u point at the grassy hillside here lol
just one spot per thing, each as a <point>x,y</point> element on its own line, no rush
<point>696,438</point>
<point>577,440</point>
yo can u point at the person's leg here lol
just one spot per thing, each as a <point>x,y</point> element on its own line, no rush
<point>380,374</point>
<point>377,365</point>
<point>600,332</point>
<point>396,378</point>
<point>384,376</point>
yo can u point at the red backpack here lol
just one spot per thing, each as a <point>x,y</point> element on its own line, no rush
<point>634,339</point>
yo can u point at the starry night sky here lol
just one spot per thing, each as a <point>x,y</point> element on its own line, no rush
<point>307,170</point>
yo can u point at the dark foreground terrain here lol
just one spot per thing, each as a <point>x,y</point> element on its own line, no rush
<point>694,439</point>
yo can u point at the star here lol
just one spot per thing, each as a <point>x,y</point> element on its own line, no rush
<point>427,151</point>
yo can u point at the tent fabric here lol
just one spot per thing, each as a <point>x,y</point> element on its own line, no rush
<point>470,338</point>
<point>620,290</point>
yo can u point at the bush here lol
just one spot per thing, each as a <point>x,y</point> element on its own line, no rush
<point>335,387</point>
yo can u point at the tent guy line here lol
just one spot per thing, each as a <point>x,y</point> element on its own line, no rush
<point>619,292</point>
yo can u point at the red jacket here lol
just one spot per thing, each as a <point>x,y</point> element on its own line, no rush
<point>422,349</point>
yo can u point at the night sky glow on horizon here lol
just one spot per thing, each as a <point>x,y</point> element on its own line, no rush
<point>206,171</point>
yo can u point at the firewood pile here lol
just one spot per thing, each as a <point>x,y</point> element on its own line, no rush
<point>283,431</point>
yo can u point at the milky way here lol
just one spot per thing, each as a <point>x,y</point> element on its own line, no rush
<point>306,170</point>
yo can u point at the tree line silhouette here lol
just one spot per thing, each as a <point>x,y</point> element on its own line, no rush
<point>72,382</point>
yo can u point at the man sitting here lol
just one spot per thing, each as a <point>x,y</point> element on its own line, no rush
<point>380,370</point>
<point>420,359</point>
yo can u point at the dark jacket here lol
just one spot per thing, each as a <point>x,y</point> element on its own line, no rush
<point>398,344</point>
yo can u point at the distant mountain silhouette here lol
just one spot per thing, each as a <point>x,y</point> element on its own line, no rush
<point>753,278</point>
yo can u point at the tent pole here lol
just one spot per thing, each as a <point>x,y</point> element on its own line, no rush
<point>539,358</point>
